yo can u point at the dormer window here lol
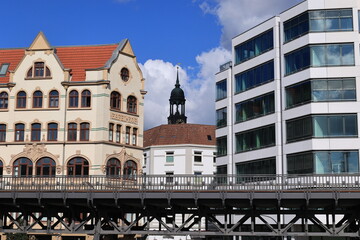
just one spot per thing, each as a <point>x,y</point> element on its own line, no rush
<point>39,70</point>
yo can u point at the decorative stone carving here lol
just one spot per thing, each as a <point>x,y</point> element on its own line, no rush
<point>58,169</point>
<point>8,169</point>
<point>34,151</point>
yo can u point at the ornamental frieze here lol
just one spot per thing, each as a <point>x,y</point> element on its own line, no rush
<point>124,118</point>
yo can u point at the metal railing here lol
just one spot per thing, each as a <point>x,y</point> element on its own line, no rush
<point>183,183</point>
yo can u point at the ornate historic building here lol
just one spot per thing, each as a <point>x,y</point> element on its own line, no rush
<point>73,110</point>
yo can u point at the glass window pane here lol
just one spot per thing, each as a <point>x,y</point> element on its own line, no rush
<point>318,56</point>
<point>352,160</point>
<point>322,163</point>
<point>336,126</point>
<point>333,55</point>
<point>347,54</point>
<point>320,126</point>
<point>351,125</point>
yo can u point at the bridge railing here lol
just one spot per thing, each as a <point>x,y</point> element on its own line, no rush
<point>182,183</point>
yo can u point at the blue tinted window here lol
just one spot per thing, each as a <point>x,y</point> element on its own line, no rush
<point>321,90</point>
<point>254,47</point>
<point>323,162</point>
<point>319,56</point>
<point>255,139</point>
<point>254,77</point>
<point>318,21</point>
<point>221,90</point>
<point>255,107</point>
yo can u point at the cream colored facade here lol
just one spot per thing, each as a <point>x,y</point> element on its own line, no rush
<point>94,145</point>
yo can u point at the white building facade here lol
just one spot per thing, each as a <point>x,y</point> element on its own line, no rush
<point>72,111</point>
<point>179,149</point>
<point>288,102</point>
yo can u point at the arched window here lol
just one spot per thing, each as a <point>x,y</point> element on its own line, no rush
<point>115,101</point>
<point>39,69</point>
<point>19,132</point>
<point>2,132</point>
<point>124,73</point>
<point>130,169</point>
<point>86,98</point>
<point>84,131</point>
<point>35,132</point>
<point>113,167</point>
<point>4,100</point>
<point>22,167</point>
<point>72,130</point>
<point>1,168</point>
<point>21,100</point>
<point>131,104</point>
<point>37,99</point>
<point>54,99</point>
<point>52,133</point>
<point>74,99</point>
<point>45,167</point>
<point>78,166</point>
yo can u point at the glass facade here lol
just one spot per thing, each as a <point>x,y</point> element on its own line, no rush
<point>320,56</point>
<point>257,167</point>
<point>221,90</point>
<point>255,107</point>
<point>323,162</point>
<point>321,90</point>
<point>254,47</point>
<point>221,117</point>
<point>254,77</point>
<point>321,126</point>
<point>318,21</point>
<point>221,145</point>
<point>255,139</point>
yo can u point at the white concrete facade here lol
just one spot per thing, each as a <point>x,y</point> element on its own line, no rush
<point>183,159</point>
<point>282,80</point>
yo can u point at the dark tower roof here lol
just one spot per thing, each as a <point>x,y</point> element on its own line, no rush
<point>177,95</point>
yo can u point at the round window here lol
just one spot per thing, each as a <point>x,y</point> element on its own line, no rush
<point>124,74</point>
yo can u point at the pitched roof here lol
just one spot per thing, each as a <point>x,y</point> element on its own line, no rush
<point>12,56</point>
<point>172,134</point>
<point>84,57</point>
<point>77,58</point>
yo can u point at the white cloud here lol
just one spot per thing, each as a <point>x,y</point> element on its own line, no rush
<point>199,93</point>
<point>236,16</point>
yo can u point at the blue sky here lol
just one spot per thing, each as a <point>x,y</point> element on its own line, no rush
<point>172,30</point>
<point>163,33</point>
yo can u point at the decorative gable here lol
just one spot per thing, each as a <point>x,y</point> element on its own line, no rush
<point>40,43</point>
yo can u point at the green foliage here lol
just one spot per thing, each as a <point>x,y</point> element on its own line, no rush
<point>17,236</point>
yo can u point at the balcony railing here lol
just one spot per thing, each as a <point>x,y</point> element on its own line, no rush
<point>332,182</point>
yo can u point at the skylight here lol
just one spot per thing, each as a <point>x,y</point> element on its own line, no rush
<point>3,69</point>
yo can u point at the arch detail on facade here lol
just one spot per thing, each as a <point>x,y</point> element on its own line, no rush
<point>34,152</point>
<point>122,156</point>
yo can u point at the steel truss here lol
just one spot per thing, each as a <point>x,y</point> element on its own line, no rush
<point>265,206</point>
<point>76,218</point>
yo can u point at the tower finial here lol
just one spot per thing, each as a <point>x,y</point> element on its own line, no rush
<point>177,77</point>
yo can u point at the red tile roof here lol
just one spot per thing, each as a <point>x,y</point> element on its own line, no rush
<point>180,134</point>
<point>84,57</point>
<point>12,56</point>
<point>77,58</point>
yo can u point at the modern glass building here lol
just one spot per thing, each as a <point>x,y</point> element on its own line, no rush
<point>288,101</point>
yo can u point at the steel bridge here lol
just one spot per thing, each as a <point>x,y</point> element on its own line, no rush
<point>267,205</point>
